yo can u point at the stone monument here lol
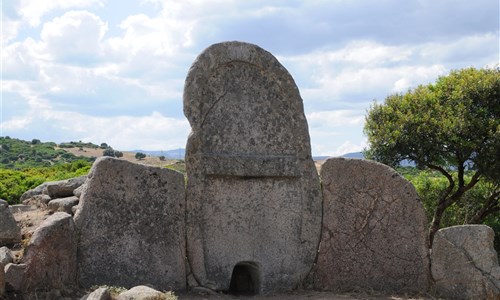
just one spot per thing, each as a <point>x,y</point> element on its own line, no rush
<point>253,196</point>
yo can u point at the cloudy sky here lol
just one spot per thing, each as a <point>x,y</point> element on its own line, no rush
<point>113,71</point>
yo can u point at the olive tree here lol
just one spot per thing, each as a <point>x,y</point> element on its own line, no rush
<point>452,127</point>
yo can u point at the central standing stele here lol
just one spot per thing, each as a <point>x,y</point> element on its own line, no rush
<point>253,193</point>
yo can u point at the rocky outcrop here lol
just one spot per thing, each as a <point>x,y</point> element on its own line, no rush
<point>10,232</point>
<point>465,264</point>
<point>253,193</point>
<point>63,194</point>
<point>131,226</point>
<point>374,230</point>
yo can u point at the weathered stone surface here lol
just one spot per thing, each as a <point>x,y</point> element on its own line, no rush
<point>17,208</point>
<point>4,203</point>
<point>253,194</point>
<point>63,204</point>
<point>40,201</point>
<point>63,188</point>
<point>99,294</point>
<point>50,257</point>
<point>374,230</point>
<point>10,233</point>
<point>5,257</point>
<point>78,191</point>
<point>14,276</point>
<point>131,224</point>
<point>141,292</point>
<point>2,281</point>
<point>33,192</point>
<point>465,264</point>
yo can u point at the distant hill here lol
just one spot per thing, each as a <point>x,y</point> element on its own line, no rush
<point>20,154</point>
<point>180,154</point>
<point>358,155</point>
<point>170,154</point>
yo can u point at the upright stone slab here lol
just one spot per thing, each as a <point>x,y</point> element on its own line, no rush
<point>253,194</point>
<point>465,264</point>
<point>374,230</point>
<point>50,256</point>
<point>131,226</point>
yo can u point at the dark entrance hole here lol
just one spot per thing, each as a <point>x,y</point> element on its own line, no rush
<point>245,279</point>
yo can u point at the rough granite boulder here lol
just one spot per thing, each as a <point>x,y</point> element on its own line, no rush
<point>374,230</point>
<point>33,192</point>
<point>5,256</point>
<point>10,233</point>
<point>39,201</point>
<point>131,226</point>
<point>141,293</point>
<point>50,256</point>
<point>63,204</point>
<point>253,193</point>
<point>63,188</point>
<point>465,264</point>
<point>99,294</point>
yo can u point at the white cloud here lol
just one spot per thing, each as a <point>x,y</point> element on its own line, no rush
<point>335,118</point>
<point>33,10</point>
<point>75,37</point>
<point>324,149</point>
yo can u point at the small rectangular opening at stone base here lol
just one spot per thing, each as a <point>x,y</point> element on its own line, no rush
<point>245,279</point>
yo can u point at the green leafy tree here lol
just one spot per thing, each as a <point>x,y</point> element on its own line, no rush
<point>118,153</point>
<point>108,152</point>
<point>140,155</point>
<point>451,127</point>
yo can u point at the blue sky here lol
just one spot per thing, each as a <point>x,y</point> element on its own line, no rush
<point>113,71</point>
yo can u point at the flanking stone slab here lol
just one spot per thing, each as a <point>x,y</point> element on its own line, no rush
<point>465,264</point>
<point>253,193</point>
<point>131,225</point>
<point>374,230</point>
<point>50,256</point>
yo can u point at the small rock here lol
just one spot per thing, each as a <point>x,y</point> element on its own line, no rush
<point>33,192</point>
<point>78,191</point>
<point>63,204</point>
<point>17,208</point>
<point>40,201</point>
<point>6,257</point>
<point>14,276</point>
<point>63,188</point>
<point>99,294</point>
<point>4,203</point>
<point>10,232</point>
<point>141,292</point>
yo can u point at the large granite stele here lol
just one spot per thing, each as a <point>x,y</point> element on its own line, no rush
<point>253,194</point>
<point>374,230</point>
<point>131,226</point>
